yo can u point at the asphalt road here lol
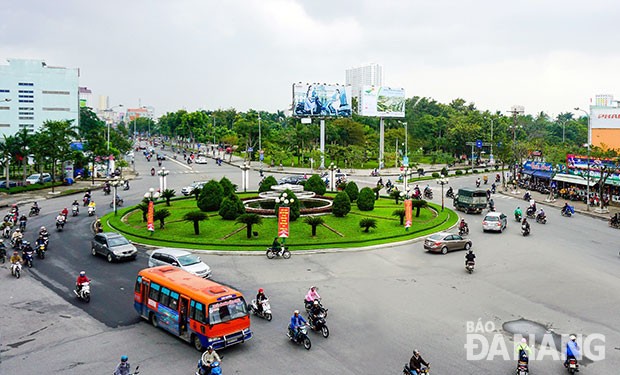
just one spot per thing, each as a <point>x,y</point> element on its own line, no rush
<point>383,302</point>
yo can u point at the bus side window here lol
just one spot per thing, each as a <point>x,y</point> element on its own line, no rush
<point>154,292</point>
<point>200,313</point>
<point>138,283</point>
<point>174,301</point>
<point>164,298</point>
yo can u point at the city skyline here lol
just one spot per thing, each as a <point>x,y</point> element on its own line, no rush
<point>192,55</point>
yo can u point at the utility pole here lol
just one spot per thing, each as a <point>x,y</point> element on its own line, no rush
<point>516,110</point>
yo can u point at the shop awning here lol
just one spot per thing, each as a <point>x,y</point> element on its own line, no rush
<point>528,171</point>
<point>572,179</point>
<point>543,174</point>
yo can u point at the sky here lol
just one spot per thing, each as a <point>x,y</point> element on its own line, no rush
<point>547,56</point>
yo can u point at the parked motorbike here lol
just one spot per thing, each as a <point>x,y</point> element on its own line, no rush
<point>301,337</point>
<point>525,230</point>
<point>34,211</point>
<point>60,225</point>
<point>91,210</point>
<point>84,293</point>
<point>541,219</point>
<point>470,266</point>
<point>283,252</point>
<point>16,269</point>
<point>407,370</point>
<point>318,324</point>
<point>41,249</point>
<point>572,366</point>
<point>75,210</point>
<point>464,231</point>
<point>265,313</point>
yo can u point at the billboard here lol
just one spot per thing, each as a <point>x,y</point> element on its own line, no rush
<point>321,100</point>
<point>382,101</point>
<point>604,118</point>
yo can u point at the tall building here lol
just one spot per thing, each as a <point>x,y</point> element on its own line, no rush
<point>605,122</point>
<point>31,93</point>
<point>368,75</point>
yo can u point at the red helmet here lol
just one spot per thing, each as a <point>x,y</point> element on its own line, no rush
<point>260,290</point>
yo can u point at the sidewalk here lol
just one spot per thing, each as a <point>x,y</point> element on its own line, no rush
<point>6,200</point>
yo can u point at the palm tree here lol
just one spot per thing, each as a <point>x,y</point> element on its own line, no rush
<point>249,220</point>
<point>395,194</point>
<point>401,214</point>
<point>144,207</point>
<point>418,203</point>
<point>161,215</point>
<point>167,195</point>
<point>368,223</point>
<point>196,217</point>
<point>196,192</point>
<point>314,221</point>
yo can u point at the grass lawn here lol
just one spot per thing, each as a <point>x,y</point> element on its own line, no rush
<point>219,234</point>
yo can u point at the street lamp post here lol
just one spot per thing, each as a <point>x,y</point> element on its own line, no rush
<point>442,181</point>
<point>245,176</point>
<point>405,178</point>
<point>260,144</point>
<point>115,183</point>
<point>588,161</point>
<point>515,111</point>
<point>163,172</point>
<point>332,183</point>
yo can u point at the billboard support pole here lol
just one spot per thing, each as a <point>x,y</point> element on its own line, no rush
<point>381,141</point>
<point>322,143</point>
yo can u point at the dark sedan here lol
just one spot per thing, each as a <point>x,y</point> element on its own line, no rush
<point>3,184</point>
<point>293,180</point>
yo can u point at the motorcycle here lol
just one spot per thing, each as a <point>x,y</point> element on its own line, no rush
<point>211,369</point>
<point>22,225</point>
<point>522,368</point>
<point>2,253</point>
<point>408,371</point>
<point>572,366</point>
<point>75,210</point>
<point>34,211</point>
<point>41,249</point>
<point>119,202</point>
<point>541,219</point>
<point>86,201</point>
<point>525,230</point>
<point>6,232</point>
<point>106,190</point>
<point>318,324</point>
<point>283,252</point>
<point>470,266</point>
<point>265,313</point>
<point>301,337</point>
<point>428,194</point>
<point>60,225</point>
<point>28,257</point>
<point>518,217</point>
<point>308,306</point>
<point>91,210</point>
<point>84,293</point>
<point>567,211</point>
<point>527,197</point>
<point>16,269</point>
<point>530,213</point>
<point>450,193</point>
<point>464,231</point>
<point>126,186</point>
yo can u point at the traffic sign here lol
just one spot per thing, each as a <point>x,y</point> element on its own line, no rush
<point>479,143</point>
<point>250,149</point>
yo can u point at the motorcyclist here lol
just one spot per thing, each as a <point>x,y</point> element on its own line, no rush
<point>93,205</point>
<point>296,322</point>
<point>488,193</point>
<point>26,248</point>
<point>22,222</point>
<point>470,257</point>
<point>86,198</point>
<point>315,310</point>
<point>106,187</point>
<point>478,182</point>
<point>388,184</point>
<point>15,258</point>
<point>16,237</point>
<point>98,226</point>
<point>207,359</point>
<point>312,295</point>
<point>61,218</point>
<point>153,171</point>
<point>527,196</point>
<point>81,279</point>
<point>75,205</point>
<point>485,178</point>
<point>64,212</point>
<point>463,227</point>
<point>491,204</point>
<point>40,241</point>
<point>260,297</point>
<point>518,213</point>
<point>566,207</point>
<point>450,192</point>
<point>123,368</point>
<point>525,224</point>
<point>35,208</point>
<point>493,188</point>
<point>572,350</point>
<point>523,351</point>
<point>416,362</point>
<point>541,214</point>
<point>380,182</point>
<point>275,246</point>
<point>43,232</point>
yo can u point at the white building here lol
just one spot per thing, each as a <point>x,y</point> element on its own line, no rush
<point>368,75</point>
<point>31,93</point>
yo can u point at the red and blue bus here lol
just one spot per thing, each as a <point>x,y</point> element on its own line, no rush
<point>197,310</point>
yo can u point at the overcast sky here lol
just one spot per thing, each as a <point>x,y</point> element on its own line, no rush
<point>200,54</point>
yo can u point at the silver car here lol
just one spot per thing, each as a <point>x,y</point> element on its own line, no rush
<point>180,258</point>
<point>113,246</point>
<point>494,221</point>
<point>187,190</point>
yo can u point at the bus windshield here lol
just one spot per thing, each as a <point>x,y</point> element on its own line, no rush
<point>224,311</point>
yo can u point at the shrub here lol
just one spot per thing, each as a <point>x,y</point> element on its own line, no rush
<point>314,221</point>
<point>211,196</point>
<point>267,183</point>
<point>231,207</point>
<point>435,175</point>
<point>486,169</point>
<point>458,172</point>
<point>368,223</point>
<point>444,171</point>
<point>294,212</point>
<point>342,204</point>
<point>496,167</point>
<point>316,185</point>
<point>352,190</point>
<point>366,200</point>
<point>229,187</point>
<point>395,194</point>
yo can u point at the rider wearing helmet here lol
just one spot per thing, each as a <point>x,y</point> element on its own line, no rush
<point>572,350</point>
<point>207,359</point>
<point>470,256</point>
<point>260,297</point>
<point>123,368</point>
<point>315,310</point>
<point>81,279</point>
<point>296,322</point>
<point>15,258</point>
<point>462,224</point>
<point>64,212</point>
<point>416,362</point>
<point>311,296</point>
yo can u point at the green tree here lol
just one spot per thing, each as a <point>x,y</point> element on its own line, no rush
<point>231,207</point>
<point>342,204</point>
<point>316,185</point>
<point>54,140</point>
<point>211,196</point>
<point>400,213</point>
<point>195,217</point>
<point>418,204</point>
<point>167,195</point>
<point>353,191</point>
<point>229,188</point>
<point>249,220</point>
<point>267,183</point>
<point>366,200</point>
<point>395,194</point>
<point>368,223</point>
<point>314,221</point>
<point>161,215</point>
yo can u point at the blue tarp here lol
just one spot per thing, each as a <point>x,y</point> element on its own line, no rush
<point>543,174</point>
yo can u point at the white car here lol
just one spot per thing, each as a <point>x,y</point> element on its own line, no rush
<point>494,221</point>
<point>187,190</point>
<point>201,159</point>
<point>180,258</point>
<point>38,178</point>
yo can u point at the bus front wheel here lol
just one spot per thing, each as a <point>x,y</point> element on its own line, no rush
<point>197,343</point>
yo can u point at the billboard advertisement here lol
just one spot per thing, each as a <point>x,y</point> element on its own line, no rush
<point>321,100</point>
<point>382,101</point>
<point>604,118</point>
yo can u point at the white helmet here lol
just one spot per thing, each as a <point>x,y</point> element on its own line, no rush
<point>573,337</point>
